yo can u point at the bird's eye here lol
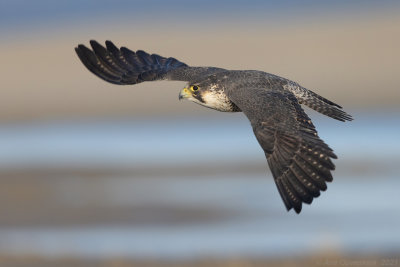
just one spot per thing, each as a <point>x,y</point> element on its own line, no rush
<point>194,87</point>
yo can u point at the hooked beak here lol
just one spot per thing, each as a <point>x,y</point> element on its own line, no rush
<point>184,93</point>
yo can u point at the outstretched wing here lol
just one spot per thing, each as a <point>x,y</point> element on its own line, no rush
<point>299,160</point>
<point>123,66</point>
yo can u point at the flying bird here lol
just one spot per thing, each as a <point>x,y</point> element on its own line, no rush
<point>299,160</point>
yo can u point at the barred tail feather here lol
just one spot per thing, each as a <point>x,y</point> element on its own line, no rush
<point>327,109</point>
<point>317,102</point>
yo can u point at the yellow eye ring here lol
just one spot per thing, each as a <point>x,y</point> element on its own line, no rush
<point>194,88</point>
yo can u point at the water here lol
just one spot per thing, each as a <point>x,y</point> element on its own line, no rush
<point>205,210</point>
<point>22,14</point>
<point>142,142</point>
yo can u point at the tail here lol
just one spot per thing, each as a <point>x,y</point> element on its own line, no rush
<point>318,103</point>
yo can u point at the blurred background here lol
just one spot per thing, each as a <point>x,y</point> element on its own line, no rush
<point>94,174</point>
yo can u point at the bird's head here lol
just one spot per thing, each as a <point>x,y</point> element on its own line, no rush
<point>207,94</point>
<point>193,92</point>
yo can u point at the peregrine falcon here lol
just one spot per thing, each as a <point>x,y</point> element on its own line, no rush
<point>299,160</point>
